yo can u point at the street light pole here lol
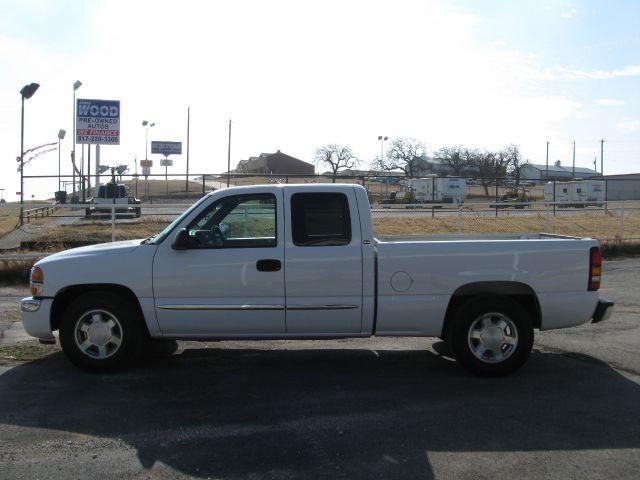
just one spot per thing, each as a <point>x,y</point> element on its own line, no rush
<point>382,140</point>
<point>146,126</point>
<point>61,134</point>
<point>76,85</point>
<point>22,162</point>
<point>26,92</point>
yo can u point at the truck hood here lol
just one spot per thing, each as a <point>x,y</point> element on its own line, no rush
<point>113,248</point>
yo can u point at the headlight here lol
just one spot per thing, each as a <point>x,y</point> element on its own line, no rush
<point>37,279</point>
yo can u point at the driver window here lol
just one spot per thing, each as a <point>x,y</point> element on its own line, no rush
<point>238,221</point>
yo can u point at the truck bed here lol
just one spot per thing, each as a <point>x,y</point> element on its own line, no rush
<point>472,236</point>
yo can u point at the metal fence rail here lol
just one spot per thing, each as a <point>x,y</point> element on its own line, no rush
<point>610,221</point>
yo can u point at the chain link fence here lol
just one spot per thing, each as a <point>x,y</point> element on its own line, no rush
<point>494,207</point>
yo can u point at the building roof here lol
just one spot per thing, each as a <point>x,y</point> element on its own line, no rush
<point>553,167</point>
<point>276,163</point>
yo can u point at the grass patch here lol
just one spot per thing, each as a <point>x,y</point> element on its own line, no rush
<point>9,219</point>
<point>595,225</point>
<point>15,272</point>
<point>99,232</point>
<point>26,351</point>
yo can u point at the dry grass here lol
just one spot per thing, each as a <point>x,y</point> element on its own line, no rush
<point>600,224</point>
<point>99,232</point>
<point>26,351</point>
<point>597,225</point>
<point>8,220</point>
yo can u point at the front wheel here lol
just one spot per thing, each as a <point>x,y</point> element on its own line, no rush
<point>491,336</point>
<point>100,331</point>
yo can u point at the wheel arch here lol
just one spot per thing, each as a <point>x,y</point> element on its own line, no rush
<point>67,294</point>
<point>518,291</point>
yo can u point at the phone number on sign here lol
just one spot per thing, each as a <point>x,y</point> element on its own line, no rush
<point>97,139</point>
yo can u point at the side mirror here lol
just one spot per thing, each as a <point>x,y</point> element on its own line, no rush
<point>181,240</point>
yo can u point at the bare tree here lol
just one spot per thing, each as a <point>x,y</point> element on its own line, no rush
<point>453,157</point>
<point>489,165</point>
<point>336,157</point>
<point>514,161</point>
<point>406,154</point>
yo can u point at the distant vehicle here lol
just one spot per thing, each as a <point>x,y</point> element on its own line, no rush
<point>514,198</point>
<point>112,194</point>
<point>302,261</point>
<point>391,199</point>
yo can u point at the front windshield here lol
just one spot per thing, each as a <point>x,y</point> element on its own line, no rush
<point>159,237</point>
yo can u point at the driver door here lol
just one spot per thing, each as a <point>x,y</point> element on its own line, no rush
<point>230,279</point>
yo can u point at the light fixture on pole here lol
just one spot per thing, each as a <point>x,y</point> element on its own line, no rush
<point>61,134</point>
<point>76,85</point>
<point>382,139</point>
<point>146,126</point>
<point>25,93</point>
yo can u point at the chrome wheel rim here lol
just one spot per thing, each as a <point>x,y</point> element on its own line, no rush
<point>493,337</point>
<point>98,334</point>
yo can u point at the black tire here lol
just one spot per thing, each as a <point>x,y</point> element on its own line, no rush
<point>470,314</point>
<point>129,327</point>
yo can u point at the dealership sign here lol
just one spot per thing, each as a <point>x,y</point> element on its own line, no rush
<point>98,122</point>
<point>166,148</point>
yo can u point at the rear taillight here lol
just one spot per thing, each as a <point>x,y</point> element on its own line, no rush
<point>595,268</point>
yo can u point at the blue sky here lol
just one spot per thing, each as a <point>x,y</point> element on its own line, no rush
<point>295,75</point>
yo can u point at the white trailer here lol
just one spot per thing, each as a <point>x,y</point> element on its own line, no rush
<point>439,189</point>
<point>578,193</point>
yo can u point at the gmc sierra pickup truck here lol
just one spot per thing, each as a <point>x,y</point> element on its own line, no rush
<point>302,262</point>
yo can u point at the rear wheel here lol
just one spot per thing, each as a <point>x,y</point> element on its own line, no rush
<point>491,336</point>
<point>100,331</point>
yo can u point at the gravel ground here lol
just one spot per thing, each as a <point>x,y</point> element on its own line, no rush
<point>372,408</point>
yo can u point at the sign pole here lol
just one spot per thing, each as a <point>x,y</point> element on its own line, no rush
<point>166,174</point>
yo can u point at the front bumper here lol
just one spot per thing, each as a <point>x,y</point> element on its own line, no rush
<point>36,317</point>
<point>603,311</point>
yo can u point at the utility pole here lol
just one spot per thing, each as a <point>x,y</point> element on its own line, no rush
<point>547,172</point>
<point>602,157</point>
<point>229,157</point>
<point>187,179</point>
<point>573,171</point>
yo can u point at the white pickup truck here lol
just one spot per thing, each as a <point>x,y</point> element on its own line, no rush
<point>301,261</point>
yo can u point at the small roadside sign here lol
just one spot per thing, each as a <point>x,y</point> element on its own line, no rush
<point>146,163</point>
<point>166,162</point>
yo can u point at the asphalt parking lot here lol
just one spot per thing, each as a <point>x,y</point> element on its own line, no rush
<point>378,408</point>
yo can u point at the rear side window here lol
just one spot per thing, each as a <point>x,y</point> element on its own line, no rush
<point>320,219</point>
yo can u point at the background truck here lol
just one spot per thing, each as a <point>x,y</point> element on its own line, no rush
<point>302,261</point>
<point>112,194</point>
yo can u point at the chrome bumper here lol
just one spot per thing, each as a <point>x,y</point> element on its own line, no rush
<point>36,317</point>
<point>603,311</point>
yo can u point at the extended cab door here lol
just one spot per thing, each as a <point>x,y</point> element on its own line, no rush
<point>323,266</point>
<point>230,279</point>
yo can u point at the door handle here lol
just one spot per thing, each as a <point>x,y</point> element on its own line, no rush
<point>268,265</point>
